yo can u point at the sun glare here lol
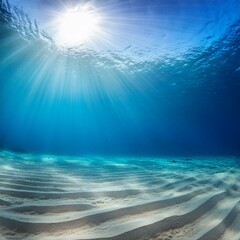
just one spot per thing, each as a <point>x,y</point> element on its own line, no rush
<point>77,26</point>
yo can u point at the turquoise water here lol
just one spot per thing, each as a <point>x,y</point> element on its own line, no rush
<point>128,165</point>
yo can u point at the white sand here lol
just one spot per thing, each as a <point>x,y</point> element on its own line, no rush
<point>119,199</point>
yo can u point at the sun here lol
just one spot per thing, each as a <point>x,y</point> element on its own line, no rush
<point>77,26</point>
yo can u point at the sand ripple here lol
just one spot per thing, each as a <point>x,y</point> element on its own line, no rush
<point>99,199</point>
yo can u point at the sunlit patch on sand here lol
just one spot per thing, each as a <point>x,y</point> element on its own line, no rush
<point>7,167</point>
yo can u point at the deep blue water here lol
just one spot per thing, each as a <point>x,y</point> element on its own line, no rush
<point>176,99</point>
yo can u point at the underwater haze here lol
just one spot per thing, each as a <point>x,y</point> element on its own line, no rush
<point>166,83</point>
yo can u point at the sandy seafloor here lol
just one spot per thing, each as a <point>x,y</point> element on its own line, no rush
<point>61,198</point>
